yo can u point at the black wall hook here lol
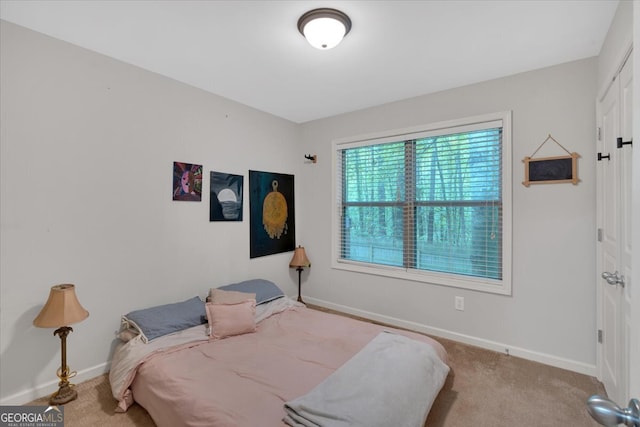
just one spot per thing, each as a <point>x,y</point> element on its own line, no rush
<point>313,157</point>
<point>600,156</point>
<point>620,143</point>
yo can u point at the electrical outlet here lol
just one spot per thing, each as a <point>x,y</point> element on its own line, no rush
<point>459,303</point>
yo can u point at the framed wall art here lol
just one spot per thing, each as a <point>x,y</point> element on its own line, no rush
<point>272,215</point>
<point>187,182</point>
<point>226,197</point>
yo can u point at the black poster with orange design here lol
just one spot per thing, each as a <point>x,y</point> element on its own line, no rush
<point>272,213</point>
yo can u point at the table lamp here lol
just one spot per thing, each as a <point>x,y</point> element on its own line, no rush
<point>62,309</point>
<point>299,261</point>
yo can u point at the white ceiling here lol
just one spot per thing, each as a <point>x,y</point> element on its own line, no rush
<point>252,52</point>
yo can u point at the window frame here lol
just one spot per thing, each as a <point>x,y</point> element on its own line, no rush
<point>497,286</point>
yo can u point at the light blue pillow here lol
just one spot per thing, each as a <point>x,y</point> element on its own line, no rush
<point>265,290</point>
<point>165,319</point>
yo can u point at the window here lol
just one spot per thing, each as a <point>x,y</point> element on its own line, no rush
<point>429,204</point>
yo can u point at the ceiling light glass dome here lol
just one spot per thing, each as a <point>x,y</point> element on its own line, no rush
<point>324,28</point>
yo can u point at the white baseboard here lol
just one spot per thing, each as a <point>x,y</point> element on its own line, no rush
<point>51,387</point>
<point>547,359</point>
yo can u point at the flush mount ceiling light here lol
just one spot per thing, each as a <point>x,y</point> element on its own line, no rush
<point>324,28</point>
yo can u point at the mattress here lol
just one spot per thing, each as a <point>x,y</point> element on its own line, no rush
<point>245,380</point>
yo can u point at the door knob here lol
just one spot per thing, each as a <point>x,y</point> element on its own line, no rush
<point>608,413</point>
<point>613,278</point>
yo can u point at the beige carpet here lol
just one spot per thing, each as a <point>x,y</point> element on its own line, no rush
<point>484,389</point>
<point>489,389</point>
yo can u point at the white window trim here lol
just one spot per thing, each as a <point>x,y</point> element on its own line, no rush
<point>502,286</point>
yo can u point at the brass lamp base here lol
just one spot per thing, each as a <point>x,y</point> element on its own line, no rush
<point>65,394</point>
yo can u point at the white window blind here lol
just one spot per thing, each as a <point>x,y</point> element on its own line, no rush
<point>426,202</point>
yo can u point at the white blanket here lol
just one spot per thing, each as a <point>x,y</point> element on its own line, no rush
<point>392,381</point>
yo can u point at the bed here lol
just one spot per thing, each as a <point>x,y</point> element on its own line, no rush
<point>294,366</point>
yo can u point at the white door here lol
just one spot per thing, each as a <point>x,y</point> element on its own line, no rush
<point>626,203</point>
<point>614,235</point>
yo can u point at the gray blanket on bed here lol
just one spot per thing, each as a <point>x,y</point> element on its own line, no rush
<point>392,381</point>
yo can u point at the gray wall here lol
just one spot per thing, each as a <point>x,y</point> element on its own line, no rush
<point>616,44</point>
<point>551,315</point>
<point>87,152</point>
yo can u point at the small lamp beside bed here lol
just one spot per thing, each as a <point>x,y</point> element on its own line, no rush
<point>62,309</point>
<point>299,262</point>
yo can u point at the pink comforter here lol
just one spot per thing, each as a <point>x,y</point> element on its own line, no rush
<point>244,381</point>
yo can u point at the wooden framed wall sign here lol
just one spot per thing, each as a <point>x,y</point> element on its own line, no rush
<point>551,170</point>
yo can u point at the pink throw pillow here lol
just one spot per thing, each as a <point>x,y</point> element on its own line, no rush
<point>227,320</point>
